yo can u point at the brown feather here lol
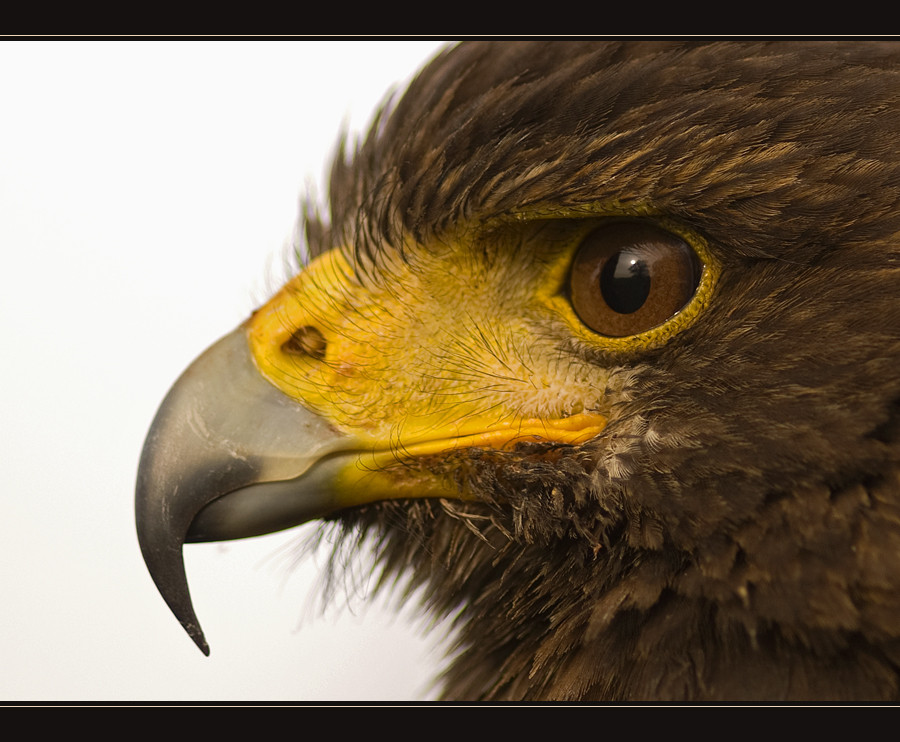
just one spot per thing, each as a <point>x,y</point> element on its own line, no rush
<point>745,542</point>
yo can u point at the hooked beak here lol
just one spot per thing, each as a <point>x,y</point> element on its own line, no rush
<point>228,456</point>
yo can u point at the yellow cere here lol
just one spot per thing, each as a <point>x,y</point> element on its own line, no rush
<point>464,343</point>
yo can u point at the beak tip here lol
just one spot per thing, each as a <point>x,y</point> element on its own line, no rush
<point>196,634</point>
<point>166,568</point>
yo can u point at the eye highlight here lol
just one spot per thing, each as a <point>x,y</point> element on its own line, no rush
<point>629,277</point>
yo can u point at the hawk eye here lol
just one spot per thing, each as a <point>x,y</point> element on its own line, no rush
<point>628,277</point>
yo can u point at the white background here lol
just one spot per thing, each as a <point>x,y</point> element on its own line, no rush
<point>148,191</point>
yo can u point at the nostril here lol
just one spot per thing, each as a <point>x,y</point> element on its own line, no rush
<point>306,341</point>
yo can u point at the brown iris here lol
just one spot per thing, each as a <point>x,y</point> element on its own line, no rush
<point>630,276</point>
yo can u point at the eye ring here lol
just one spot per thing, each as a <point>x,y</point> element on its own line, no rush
<point>630,276</point>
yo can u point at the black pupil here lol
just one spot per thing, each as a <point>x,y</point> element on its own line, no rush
<point>625,282</point>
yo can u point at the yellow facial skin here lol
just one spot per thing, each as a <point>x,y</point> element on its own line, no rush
<point>355,382</point>
<point>472,352</point>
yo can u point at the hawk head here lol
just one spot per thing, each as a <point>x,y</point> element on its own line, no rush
<point>599,342</point>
